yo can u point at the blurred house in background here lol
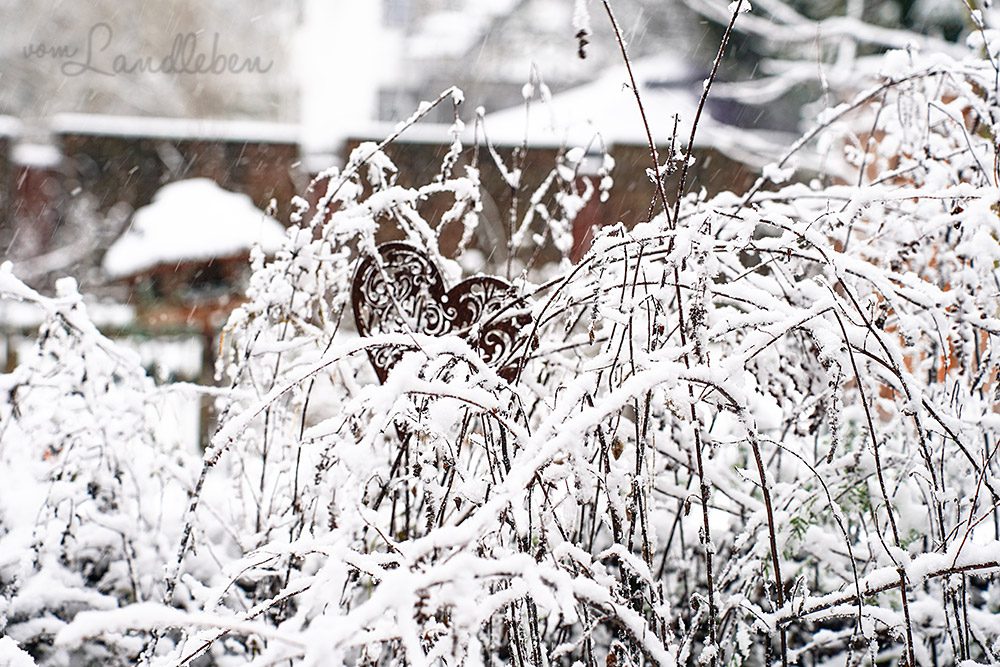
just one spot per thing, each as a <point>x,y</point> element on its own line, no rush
<point>185,255</point>
<point>69,200</point>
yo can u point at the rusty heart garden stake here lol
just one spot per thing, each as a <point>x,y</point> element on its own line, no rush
<point>403,290</point>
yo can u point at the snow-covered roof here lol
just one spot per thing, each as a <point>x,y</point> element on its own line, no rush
<point>608,106</point>
<point>176,128</point>
<point>192,220</point>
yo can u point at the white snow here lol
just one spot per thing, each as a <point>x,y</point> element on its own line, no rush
<point>38,156</point>
<point>191,220</point>
<point>12,656</point>
<point>672,384</point>
<point>9,126</point>
<point>21,315</point>
<point>607,105</point>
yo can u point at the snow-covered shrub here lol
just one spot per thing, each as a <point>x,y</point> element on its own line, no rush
<point>760,428</point>
<point>91,506</point>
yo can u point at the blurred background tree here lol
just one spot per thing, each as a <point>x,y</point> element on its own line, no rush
<point>822,38</point>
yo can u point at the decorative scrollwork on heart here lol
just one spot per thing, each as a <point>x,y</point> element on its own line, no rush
<point>403,291</point>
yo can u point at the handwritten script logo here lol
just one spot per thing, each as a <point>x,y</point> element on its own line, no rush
<point>184,57</point>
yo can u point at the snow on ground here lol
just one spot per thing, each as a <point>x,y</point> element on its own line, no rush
<point>169,356</point>
<point>173,361</point>
<point>189,221</point>
<point>178,417</point>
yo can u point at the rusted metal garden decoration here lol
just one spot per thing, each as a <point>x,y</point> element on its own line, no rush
<point>402,290</point>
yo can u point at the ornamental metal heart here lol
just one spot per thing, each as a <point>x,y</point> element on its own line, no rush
<point>404,291</point>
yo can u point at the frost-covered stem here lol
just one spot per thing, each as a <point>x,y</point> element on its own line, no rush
<point>779,583</point>
<point>869,140</point>
<point>831,601</point>
<point>911,659</point>
<point>560,284</point>
<point>323,207</point>
<point>703,490</point>
<point>910,399</point>
<point>769,510</point>
<point>977,19</point>
<point>654,156</point>
<point>827,122</point>
<point>517,163</point>
<point>263,468</point>
<point>707,88</point>
<point>706,537</point>
<point>837,518</point>
<point>262,607</point>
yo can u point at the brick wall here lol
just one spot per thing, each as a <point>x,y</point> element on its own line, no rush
<point>131,169</point>
<point>6,187</point>
<point>114,168</point>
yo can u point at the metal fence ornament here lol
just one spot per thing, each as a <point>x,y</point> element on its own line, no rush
<point>403,291</point>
